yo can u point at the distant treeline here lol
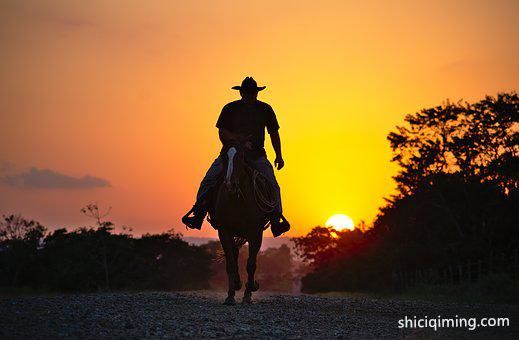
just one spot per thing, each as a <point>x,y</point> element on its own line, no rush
<point>95,258</point>
<point>457,204</point>
<point>98,258</point>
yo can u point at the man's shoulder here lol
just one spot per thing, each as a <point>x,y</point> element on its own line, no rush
<point>232,106</point>
<point>264,106</point>
<point>233,103</point>
<point>239,104</point>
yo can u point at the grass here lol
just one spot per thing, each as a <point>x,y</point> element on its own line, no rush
<point>496,288</point>
<point>493,289</point>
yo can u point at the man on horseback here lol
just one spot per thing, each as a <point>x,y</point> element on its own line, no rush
<point>244,121</point>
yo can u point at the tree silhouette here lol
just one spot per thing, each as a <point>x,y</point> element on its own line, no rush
<point>477,141</point>
<point>97,258</point>
<point>457,202</point>
<point>20,240</point>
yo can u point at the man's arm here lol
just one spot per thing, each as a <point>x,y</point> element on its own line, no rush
<point>276,144</point>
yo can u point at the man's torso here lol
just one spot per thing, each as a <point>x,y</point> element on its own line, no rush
<point>249,118</point>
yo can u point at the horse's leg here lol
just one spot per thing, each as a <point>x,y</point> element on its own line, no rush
<point>252,285</point>
<point>236,253</point>
<point>231,267</point>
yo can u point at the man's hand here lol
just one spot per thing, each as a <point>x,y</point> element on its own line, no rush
<point>279,163</point>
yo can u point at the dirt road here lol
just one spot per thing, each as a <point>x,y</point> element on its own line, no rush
<point>202,315</point>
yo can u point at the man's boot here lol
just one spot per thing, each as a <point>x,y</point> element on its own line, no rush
<point>195,221</point>
<point>278,224</point>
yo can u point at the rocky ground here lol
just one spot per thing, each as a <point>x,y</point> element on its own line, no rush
<point>202,315</point>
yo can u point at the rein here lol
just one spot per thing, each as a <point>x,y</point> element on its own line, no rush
<point>263,193</point>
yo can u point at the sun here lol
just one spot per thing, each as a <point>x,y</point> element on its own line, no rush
<point>340,222</point>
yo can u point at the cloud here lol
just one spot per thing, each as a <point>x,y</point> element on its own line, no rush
<point>47,179</point>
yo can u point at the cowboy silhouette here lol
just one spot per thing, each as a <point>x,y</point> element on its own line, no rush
<point>243,122</point>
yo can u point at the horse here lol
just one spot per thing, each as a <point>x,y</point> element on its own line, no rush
<point>240,213</point>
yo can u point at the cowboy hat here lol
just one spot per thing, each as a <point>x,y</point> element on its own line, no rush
<point>248,84</point>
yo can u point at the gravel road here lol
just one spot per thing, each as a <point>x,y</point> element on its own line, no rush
<point>202,315</point>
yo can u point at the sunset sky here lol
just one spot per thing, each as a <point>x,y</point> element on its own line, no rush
<point>127,93</point>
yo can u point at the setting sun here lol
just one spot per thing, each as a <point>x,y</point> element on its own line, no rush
<point>340,222</point>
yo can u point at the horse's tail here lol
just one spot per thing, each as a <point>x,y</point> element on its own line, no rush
<point>238,241</point>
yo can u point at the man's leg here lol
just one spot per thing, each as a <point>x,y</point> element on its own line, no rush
<point>199,210</point>
<point>278,224</point>
<point>210,179</point>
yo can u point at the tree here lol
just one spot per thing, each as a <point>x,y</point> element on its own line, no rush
<point>20,240</point>
<point>97,258</point>
<point>477,141</point>
<point>457,202</point>
<point>317,246</point>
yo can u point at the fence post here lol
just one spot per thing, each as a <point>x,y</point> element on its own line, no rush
<point>469,271</point>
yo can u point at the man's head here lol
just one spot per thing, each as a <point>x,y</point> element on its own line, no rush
<point>249,89</point>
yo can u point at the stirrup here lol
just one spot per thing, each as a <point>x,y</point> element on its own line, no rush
<point>279,227</point>
<point>192,222</point>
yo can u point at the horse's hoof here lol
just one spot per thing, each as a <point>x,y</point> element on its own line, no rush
<point>247,299</point>
<point>230,301</point>
<point>252,286</point>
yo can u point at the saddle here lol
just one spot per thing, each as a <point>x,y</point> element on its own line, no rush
<point>263,195</point>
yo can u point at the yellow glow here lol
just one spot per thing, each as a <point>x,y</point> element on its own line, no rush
<point>340,222</point>
<point>131,94</point>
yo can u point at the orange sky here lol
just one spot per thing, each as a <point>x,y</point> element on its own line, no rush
<point>129,92</point>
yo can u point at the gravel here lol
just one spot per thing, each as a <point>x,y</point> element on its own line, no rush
<point>202,315</point>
